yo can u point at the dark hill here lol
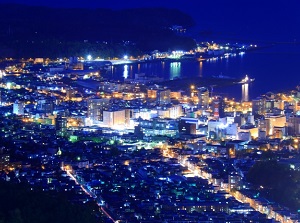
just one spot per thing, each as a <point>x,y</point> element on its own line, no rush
<point>145,29</point>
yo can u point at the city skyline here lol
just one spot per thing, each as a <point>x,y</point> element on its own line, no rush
<point>133,115</point>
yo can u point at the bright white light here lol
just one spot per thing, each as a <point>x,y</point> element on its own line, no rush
<point>8,85</point>
<point>89,57</point>
<point>125,72</point>
<point>125,57</point>
<point>223,126</point>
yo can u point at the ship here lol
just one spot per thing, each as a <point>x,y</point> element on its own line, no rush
<point>246,80</point>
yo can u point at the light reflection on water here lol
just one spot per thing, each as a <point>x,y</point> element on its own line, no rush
<point>274,69</point>
<point>175,70</point>
<point>125,71</point>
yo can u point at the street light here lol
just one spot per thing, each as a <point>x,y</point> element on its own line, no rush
<point>89,57</point>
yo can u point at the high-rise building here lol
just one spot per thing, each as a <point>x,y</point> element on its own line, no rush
<point>175,111</point>
<point>203,96</point>
<point>259,106</point>
<point>114,118</point>
<point>163,96</point>
<point>96,107</point>
<point>234,181</point>
<point>218,107</point>
<point>61,123</point>
<point>45,106</point>
<point>18,107</point>
<point>264,125</point>
<point>128,116</point>
<point>293,125</point>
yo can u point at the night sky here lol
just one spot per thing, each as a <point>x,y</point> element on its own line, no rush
<point>255,20</point>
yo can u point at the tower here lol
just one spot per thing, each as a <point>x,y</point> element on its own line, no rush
<point>218,106</point>
<point>203,97</point>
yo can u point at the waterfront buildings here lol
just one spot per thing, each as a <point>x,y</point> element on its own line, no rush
<point>145,153</point>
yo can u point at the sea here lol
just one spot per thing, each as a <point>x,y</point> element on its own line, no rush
<point>274,69</point>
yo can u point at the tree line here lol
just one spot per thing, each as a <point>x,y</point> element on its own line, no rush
<point>53,32</point>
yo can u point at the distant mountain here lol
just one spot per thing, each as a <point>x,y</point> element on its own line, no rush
<point>28,27</point>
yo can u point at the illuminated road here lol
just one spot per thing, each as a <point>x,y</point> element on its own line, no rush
<point>90,193</point>
<point>237,195</point>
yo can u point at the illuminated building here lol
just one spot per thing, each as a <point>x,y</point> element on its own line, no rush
<point>158,126</point>
<point>234,181</point>
<point>203,97</point>
<point>259,105</point>
<point>152,93</point>
<point>240,119</point>
<point>262,134</point>
<point>293,125</point>
<point>116,94</point>
<point>250,119</point>
<point>244,136</point>
<point>173,112</point>
<point>163,96</point>
<point>4,160</point>
<point>96,107</point>
<point>248,128</point>
<point>276,120</point>
<point>218,106</point>
<point>18,107</point>
<point>145,113</point>
<point>264,126</point>
<point>61,123</point>
<point>279,132</point>
<point>128,116</point>
<point>138,132</point>
<point>132,95</point>
<point>114,118</point>
<point>186,127</point>
<point>175,94</point>
<point>213,125</point>
<point>163,113</point>
<point>231,130</point>
<point>45,106</point>
<point>75,121</point>
<point>267,103</point>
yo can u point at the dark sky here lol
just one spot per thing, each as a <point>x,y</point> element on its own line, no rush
<point>267,20</point>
